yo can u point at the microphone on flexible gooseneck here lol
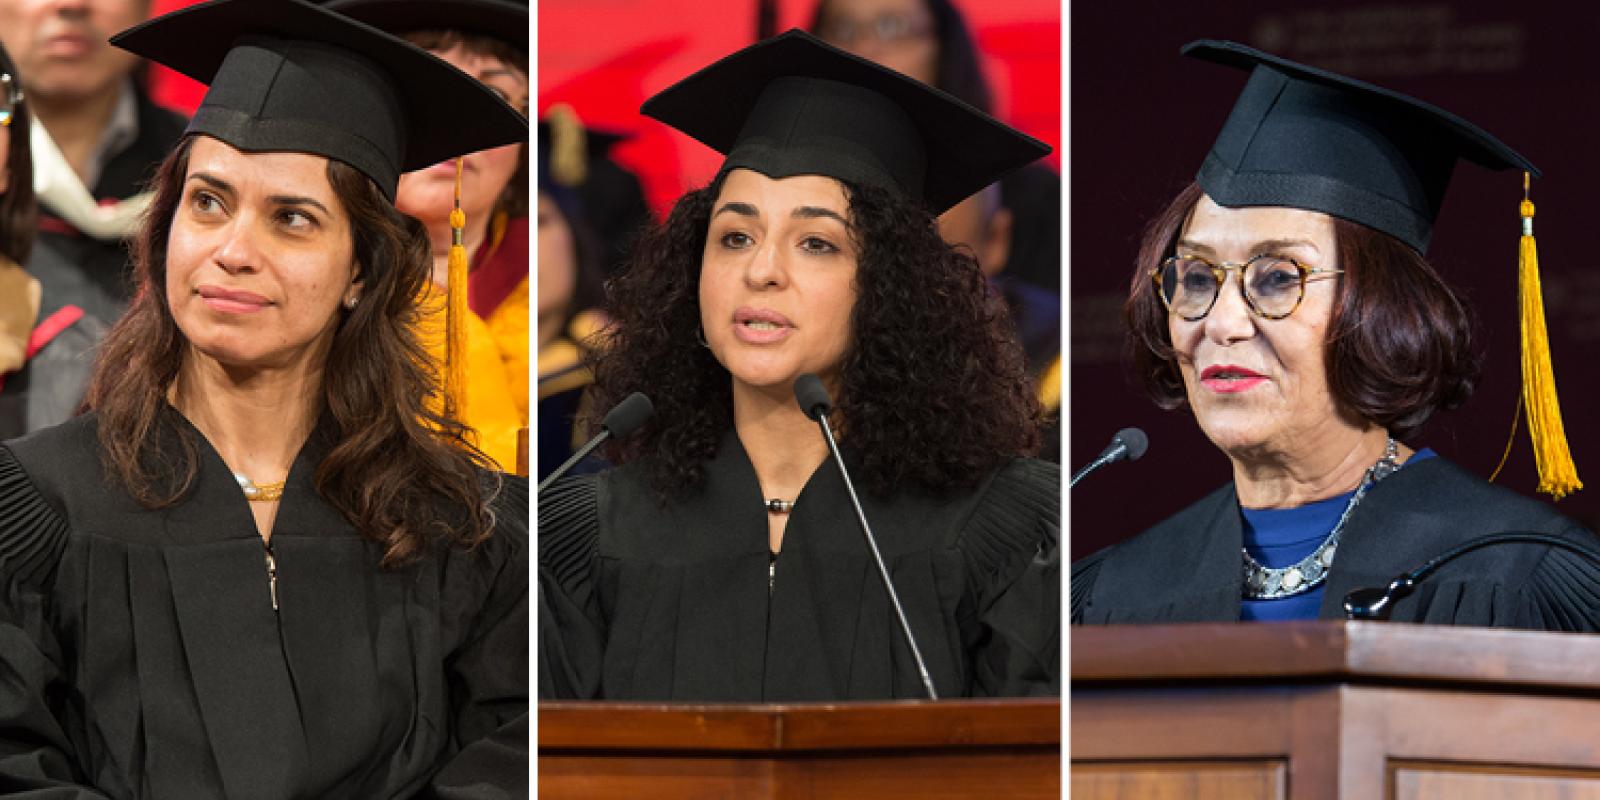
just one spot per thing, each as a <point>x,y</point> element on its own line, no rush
<point>1378,604</point>
<point>1129,444</point>
<point>813,399</point>
<point>621,421</point>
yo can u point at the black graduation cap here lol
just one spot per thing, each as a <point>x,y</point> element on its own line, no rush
<point>794,105</point>
<point>287,75</point>
<point>1306,138</point>
<point>567,147</point>
<point>499,19</point>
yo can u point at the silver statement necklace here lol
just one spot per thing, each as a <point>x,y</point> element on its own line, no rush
<point>1267,583</point>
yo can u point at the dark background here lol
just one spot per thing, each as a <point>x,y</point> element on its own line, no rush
<point>1143,118</point>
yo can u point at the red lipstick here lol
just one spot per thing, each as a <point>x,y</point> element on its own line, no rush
<point>1230,378</point>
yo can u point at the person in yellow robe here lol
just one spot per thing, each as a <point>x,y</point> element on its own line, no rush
<point>488,40</point>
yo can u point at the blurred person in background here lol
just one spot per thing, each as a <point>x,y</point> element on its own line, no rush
<point>929,40</point>
<point>570,296</point>
<point>20,293</point>
<point>96,138</point>
<point>983,226</point>
<point>487,39</point>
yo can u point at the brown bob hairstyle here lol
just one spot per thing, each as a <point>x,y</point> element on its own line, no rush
<point>1399,345</point>
<point>402,473</point>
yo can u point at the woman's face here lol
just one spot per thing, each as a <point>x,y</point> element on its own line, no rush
<point>777,278</point>
<point>1259,387</point>
<point>899,34</point>
<point>260,256</point>
<point>558,260</point>
<point>428,194</point>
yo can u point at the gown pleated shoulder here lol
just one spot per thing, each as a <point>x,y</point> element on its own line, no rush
<point>141,656</point>
<point>1188,569</point>
<point>681,601</point>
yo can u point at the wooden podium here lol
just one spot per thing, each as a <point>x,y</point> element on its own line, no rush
<point>1318,710</point>
<point>947,749</point>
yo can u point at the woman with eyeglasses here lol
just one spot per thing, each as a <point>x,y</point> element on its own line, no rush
<point>1284,298</point>
<point>19,291</point>
<point>45,345</point>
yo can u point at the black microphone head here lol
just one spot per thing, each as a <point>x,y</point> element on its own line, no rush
<point>1135,441</point>
<point>628,415</point>
<point>1377,604</point>
<point>1367,604</point>
<point>812,396</point>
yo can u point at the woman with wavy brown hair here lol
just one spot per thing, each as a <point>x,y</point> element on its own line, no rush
<point>722,560</point>
<point>261,564</point>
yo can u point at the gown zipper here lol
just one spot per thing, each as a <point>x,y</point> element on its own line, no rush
<point>272,574</point>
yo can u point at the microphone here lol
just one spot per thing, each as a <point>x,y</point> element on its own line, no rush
<point>1378,604</point>
<point>814,401</point>
<point>621,421</point>
<point>1129,444</point>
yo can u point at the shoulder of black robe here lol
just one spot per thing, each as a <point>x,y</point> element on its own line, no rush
<point>36,752</point>
<point>1012,543</point>
<point>369,682</point>
<point>1187,568</point>
<point>571,631</point>
<point>488,670</point>
<point>640,600</point>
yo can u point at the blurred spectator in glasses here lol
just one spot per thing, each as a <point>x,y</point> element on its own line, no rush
<point>98,139</point>
<point>43,346</point>
<point>929,40</point>
<point>93,140</point>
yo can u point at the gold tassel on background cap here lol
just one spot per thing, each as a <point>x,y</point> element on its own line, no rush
<point>1558,476</point>
<point>455,325</point>
<point>569,157</point>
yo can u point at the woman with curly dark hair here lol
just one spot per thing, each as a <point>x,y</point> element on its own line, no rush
<point>723,560</point>
<point>263,563</point>
<point>1284,299</point>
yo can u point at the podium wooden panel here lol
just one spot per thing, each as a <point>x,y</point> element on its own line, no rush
<point>948,749</point>
<point>1315,710</point>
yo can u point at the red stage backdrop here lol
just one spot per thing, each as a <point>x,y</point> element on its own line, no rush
<point>1144,118</point>
<point>167,87</point>
<point>604,57</point>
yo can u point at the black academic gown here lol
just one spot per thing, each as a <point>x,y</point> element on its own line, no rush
<point>1187,568</point>
<point>140,656</point>
<point>640,601</point>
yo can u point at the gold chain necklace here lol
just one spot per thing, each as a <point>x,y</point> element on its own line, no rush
<point>259,492</point>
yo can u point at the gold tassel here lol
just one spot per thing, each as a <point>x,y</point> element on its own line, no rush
<point>455,325</point>
<point>1558,476</point>
<point>569,157</point>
